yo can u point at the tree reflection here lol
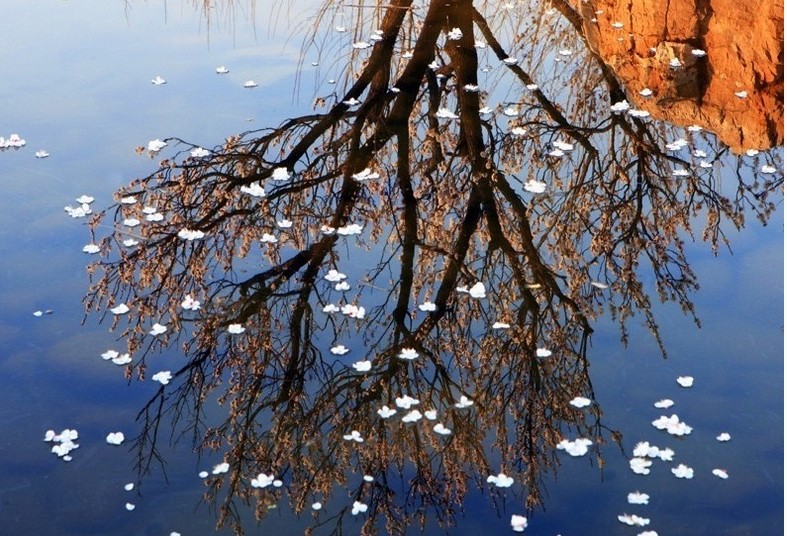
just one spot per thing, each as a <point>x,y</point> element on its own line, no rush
<point>457,201</point>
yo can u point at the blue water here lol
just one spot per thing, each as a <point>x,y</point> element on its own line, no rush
<point>76,82</point>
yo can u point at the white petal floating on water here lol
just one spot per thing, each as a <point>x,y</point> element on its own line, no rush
<point>672,425</point>
<point>158,81</point>
<point>190,234</point>
<point>408,354</point>
<point>464,402</point>
<point>510,61</point>
<point>339,349</point>
<point>342,286</point>
<point>543,352</point>
<point>220,468</point>
<point>284,223</point>
<point>368,478</point>
<point>362,366</point>
<point>330,308</point>
<point>643,450</point>
<point>235,329</point>
<point>412,416</point>
<point>317,506</point>
<point>646,92</point>
<point>431,414</point>
<point>254,189</point>
<point>767,169</point>
<point>675,63</point>
<point>131,222</point>
<point>156,216</point>
<point>158,329</point>
<point>248,84</point>
<point>640,466</point>
<point>130,507</point>
<point>500,480</point>
<point>741,94</point>
<point>221,69</point>
<point>445,113</point>
<point>352,229</point>
<point>156,145</point>
<point>685,381</point>
<point>557,153</point>
<point>204,474</point>
<point>41,154</point>
<point>620,106</point>
<point>353,311</point>
<point>752,152</point>
<point>359,508</point>
<point>360,45</point>
<point>666,455</point>
<point>199,152</point>
<point>577,447</point>
<point>78,212</point>
<point>365,175</point>
<point>511,111</point>
<point>455,34</point>
<point>91,248</point>
<point>386,412</point>
<point>617,25</point>
<point>14,140</point>
<point>633,520</point>
<point>427,306</point>
<point>636,497</point>
<point>536,187</point>
<point>664,403</point>
<point>724,436</point>
<point>121,359</point>
<point>500,325</point>
<point>406,401</point>
<point>580,402</point>
<point>38,313</point>
<point>120,309</point>
<point>355,435</point>
<point>683,471</point>
<point>699,52</point>
<point>129,486</point>
<point>470,88</point>
<point>518,523</point>
<point>190,304</point>
<point>162,377</point>
<point>478,291</point>
<point>721,473</point>
<point>262,481</point>
<point>280,174</point>
<point>115,438</point>
<point>334,276</point>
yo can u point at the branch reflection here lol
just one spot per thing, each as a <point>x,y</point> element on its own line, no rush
<point>520,222</point>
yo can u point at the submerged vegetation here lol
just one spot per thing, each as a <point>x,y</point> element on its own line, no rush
<point>395,294</point>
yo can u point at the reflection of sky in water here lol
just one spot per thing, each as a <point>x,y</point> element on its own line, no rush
<point>76,82</point>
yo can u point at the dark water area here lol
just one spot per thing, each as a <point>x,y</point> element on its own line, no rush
<point>466,216</point>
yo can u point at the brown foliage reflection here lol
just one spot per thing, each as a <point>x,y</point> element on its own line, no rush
<point>450,209</point>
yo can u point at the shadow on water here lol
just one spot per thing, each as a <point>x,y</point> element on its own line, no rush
<point>457,246</point>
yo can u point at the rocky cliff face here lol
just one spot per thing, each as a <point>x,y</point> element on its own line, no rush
<point>735,89</point>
